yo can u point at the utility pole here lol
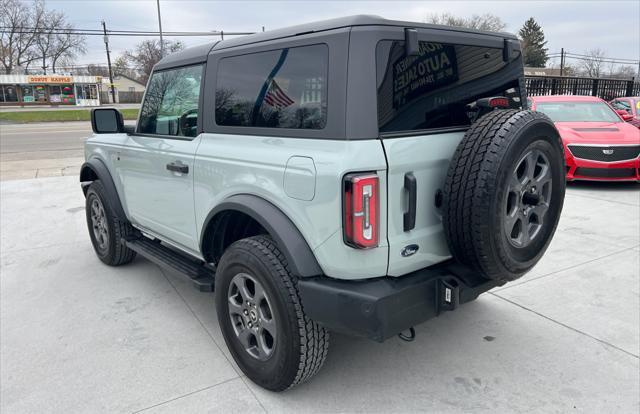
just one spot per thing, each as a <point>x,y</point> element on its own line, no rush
<point>106,44</point>
<point>561,61</point>
<point>160,27</point>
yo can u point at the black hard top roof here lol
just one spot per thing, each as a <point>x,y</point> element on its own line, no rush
<point>199,53</point>
<point>189,56</point>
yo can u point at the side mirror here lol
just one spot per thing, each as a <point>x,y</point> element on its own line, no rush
<point>106,121</point>
<point>626,116</point>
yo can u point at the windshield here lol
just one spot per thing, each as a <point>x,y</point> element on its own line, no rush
<point>578,111</point>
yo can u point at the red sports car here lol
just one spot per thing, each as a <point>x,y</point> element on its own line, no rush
<point>598,144</point>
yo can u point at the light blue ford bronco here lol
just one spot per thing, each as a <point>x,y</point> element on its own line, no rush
<point>357,175</point>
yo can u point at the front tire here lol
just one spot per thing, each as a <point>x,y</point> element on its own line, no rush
<point>105,229</point>
<point>262,319</point>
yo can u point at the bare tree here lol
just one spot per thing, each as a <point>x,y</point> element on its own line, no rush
<point>621,72</point>
<point>487,21</point>
<point>32,33</point>
<point>97,70</point>
<point>593,64</point>
<point>67,46</point>
<point>147,53</point>
<point>45,40</point>
<point>121,67</point>
<point>20,23</point>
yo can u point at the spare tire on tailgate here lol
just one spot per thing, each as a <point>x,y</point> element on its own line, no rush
<point>504,192</point>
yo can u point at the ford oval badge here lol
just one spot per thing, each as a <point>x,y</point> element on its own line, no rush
<point>409,250</point>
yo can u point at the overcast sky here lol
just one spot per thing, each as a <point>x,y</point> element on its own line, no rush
<point>613,26</point>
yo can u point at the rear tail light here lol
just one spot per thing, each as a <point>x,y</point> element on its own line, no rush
<point>493,102</point>
<point>361,210</point>
<point>499,102</point>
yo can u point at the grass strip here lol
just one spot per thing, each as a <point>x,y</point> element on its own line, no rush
<point>62,115</point>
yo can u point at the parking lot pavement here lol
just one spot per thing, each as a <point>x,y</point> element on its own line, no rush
<point>78,336</point>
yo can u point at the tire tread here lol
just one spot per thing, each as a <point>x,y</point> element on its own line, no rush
<point>470,183</point>
<point>314,339</point>
<point>119,229</point>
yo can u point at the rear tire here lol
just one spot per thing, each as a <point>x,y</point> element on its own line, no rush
<point>265,328</point>
<point>105,229</point>
<point>504,193</point>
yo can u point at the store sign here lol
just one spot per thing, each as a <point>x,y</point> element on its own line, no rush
<point>413,76</point>
<point>49,79</point>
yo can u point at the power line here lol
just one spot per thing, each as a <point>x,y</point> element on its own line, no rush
<point>587,56</point>
<point>599,60</point>
<point>96,32</point>
<point>604,59</point>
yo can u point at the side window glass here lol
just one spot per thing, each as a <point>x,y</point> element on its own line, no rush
<point>285,88</point>
<point>171,103</point>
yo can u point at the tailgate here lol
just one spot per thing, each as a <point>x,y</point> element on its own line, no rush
<point>427,159</point>
<point>425,98</point>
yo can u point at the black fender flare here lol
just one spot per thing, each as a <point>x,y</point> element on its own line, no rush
<point>95,167</point>
<point>302,261</point>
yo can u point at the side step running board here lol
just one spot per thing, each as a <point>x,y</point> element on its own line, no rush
<point>201,274</point>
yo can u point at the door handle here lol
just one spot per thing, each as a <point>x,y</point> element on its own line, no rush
<point>178,167</point>
<point>411,186</point>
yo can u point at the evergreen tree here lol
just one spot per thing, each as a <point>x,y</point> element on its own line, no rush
<point>533,44</point>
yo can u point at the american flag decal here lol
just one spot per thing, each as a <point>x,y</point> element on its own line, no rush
<point>276,97</point>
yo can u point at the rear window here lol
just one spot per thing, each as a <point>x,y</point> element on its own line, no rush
<point>284,88</point>
<point>432,90</point>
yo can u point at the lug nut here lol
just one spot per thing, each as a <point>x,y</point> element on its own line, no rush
<point>245,312</point>
<point>524,212</point>
<point>250,325</point>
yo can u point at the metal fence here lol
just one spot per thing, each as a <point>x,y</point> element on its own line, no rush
<point>121,97</point>
<point>565,85</point>
<point>130,97</point>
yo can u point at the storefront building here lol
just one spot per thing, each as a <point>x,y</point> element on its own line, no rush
<point>29,90</point>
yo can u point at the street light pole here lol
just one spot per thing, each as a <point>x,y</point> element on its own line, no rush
<point>160,27</point>
<point>106,44</point>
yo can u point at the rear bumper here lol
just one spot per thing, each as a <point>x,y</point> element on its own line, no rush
<point>383,307</point>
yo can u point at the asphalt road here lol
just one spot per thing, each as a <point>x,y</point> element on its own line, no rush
<point>41,150</point>
<point>24,139</point>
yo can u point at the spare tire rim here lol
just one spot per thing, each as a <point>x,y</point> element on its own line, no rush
<point>99,224</point>
<point>252,316</point>
<point>527,199</point>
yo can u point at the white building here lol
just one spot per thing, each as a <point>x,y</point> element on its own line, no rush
<point>31,90</point>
